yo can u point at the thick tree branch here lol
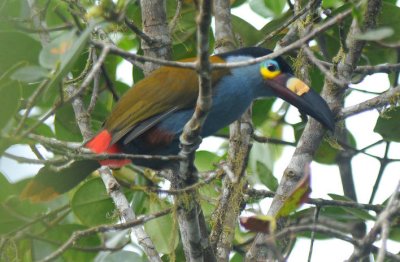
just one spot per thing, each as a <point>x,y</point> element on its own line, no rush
<point>190,216</point>
<point>111,184</point>
<point>155,26</point>
<point>229,204</point>
<point>225,40</point>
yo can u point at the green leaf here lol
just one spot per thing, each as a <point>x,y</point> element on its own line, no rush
<point>237,3</point>
<point>42,129</point>
<point>62,53</point>
<point>8,222</point>
<point>6,188</point>
<point>92,205</point>
<point>15,213</point>
<point>41,249</point>
<point>16,48</point>
<point>267,8</point>
<point>266,176</point>
<point>10,93</point>
<point>272,26</point>
<point>12,9</point>
<point>360,213</point>
<point>237,258</point>
<point>276,6</point>
<point>52,54</point>
<point>388,17</point>
<point>258,7</point>
<point>388,124</point>
<point>61,233</point>
<point>208,193</point>
<point>328,150</point>
<point>205,160</point>
<point>331,3</point>
<point>260,111</point>
<point>65,125</point>
<point>249,35</point>
<point>163,230</point>
<point>123,256</point>
<point>29,74</point>
<point>185,28</point>
<point>394,234</point>
<point>299,194</point>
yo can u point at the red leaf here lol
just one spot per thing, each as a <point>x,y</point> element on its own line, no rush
<point>261,223</point>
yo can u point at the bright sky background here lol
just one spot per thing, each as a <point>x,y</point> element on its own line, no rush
<point>325,179</point>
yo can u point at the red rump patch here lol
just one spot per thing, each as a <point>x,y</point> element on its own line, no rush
<point>102,144</point>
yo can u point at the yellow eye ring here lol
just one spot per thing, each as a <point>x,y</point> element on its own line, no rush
<point>270,69</point>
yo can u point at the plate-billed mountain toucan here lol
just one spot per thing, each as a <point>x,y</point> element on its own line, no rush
<point>150,117</point>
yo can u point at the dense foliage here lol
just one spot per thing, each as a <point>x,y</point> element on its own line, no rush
<point>47,48</point>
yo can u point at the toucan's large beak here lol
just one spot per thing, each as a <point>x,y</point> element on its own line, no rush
<point>298,94</point>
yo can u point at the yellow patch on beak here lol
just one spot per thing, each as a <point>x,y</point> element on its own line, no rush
<point>297,86</point>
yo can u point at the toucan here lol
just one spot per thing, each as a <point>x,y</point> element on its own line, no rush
<point>149,118</point>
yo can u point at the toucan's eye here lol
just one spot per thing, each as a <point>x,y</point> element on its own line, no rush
<point>270,69</point>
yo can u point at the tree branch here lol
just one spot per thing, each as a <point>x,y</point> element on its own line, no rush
<point>229,204</point>
<point>111,184</point>
<point>313,132</point>
<point>190,216</point>
<point>101,229</point>
<point>155,26</point>
<point>386,216</point>
<point>389,97</point>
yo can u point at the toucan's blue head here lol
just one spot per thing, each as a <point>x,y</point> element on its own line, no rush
<point>274,77</point>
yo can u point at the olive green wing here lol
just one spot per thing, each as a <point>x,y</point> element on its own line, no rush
<point>165,90</point>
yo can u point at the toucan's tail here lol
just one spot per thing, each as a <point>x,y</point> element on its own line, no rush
<point>48,183</point>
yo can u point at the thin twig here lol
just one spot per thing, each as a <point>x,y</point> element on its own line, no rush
<point>383,163</point>
<point>372,69</point>
<point>26,160</point>
<point>389,97</point>
<point>311,57</point>
<point>297,44</point>
<point>291,230</point>
<point>137,31</point>
<point>271,140</point>
<point>174,20</point>
<point>286,24</point>
<point>384,238</point>
<point>386,216</point>
<point>96,85</point>
<point>77,93</point>
<point>31,103</point>
<point>101,229</point>
<point>315,219</point>
<point>257,193</point>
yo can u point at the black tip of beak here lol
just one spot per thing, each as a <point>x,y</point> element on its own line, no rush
<point>315,106</point>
